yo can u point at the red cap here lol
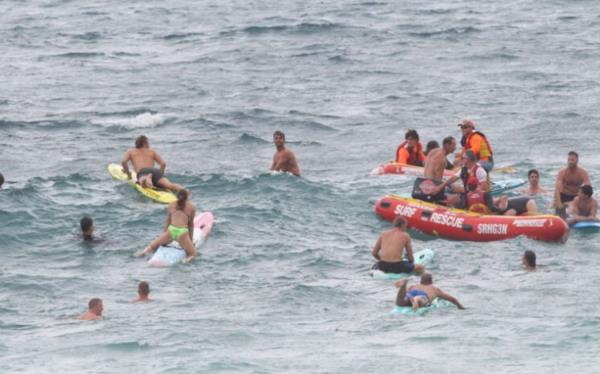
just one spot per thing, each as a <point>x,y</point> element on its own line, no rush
<point>473,181</point>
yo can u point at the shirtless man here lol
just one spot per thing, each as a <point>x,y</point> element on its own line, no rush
<point>534,184</point>
<point>431,188</point>
<point>143,158</point>
<point>94,312</point>
<point>584,207</point>
<point>568,182</point>
<point>284,159</point>
<point>143,292</point>
<point>423,294</point>
<point>389,250</point>
<point>436,161</point>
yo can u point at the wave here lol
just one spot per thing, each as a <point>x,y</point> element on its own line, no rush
<point>181,36</point>
<point>74,55</point>
<point>452,31</point>
<point>251,139</point>
<point>45,124</point>
<point>134,119</point>
<point>304,28</point>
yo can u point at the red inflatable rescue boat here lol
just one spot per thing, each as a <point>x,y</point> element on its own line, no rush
<point>457,224</point>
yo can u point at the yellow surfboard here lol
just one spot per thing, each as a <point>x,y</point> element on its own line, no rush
<point>160,196</point>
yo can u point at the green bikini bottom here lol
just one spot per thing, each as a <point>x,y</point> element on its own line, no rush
<point>176,232</point>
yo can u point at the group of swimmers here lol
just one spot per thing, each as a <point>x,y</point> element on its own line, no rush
<point>573,201</point>
<point>96,306</point>
<point>573,192</point>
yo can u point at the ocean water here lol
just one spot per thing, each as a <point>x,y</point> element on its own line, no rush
<point>281,285</point>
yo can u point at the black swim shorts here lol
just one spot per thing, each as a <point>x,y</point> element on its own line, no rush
<point>156,175</point>
<point>395,267</point>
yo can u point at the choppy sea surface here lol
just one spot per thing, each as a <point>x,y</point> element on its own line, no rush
<point>281,285</point>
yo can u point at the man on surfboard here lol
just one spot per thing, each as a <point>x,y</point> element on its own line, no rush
<point>423,294</point>
<point>143,158</point>
<point>284,159</point>
<point>584,207</point>
<point>389,250</point>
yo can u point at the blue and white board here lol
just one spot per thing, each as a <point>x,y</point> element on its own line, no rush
<point>499,186</point>
<point>408,310</point>
<point>587,226</point>
<point>173,253</point>
<point>423,257</point>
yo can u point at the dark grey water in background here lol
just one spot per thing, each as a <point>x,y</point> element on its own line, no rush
<point>281,284</point>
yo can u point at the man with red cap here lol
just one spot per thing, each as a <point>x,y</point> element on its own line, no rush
<point>475,141</point>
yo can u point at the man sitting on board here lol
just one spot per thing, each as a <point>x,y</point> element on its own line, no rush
<point>283,159</point>
<point>389,250</point>
<point>584,207</point>
<point>143,158</point>
<point>94,312</point>
<point>423,294</point>
<point>410,151</point>
<point>533,176</point>
<point>568,182</point>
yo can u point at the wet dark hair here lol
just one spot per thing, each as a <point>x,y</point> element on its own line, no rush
<point>144,288</point>
<point>182,197</point>
<point>530,258</point>
<point>93,302</point>
<point>533,171</point>
<point>85,223</point>
<point>431,145</point>
<point>573,153</point>
<point>399,221</point>
<point>587,190</point>
<point>448,140</point>
<point>279,133</point>
<point>141,141</point>
<point>1,179</point>
<point>411,134</point>
<point>426,279</point>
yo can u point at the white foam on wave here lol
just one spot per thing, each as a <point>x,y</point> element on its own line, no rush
<point>146,119</point>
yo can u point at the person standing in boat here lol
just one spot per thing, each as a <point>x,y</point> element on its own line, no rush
<point>476,142</point>
<point>410,151</point>
<point>568,182</point>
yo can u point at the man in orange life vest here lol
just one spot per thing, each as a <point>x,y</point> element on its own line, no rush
<point>410,151</point>
<point>477,142</point>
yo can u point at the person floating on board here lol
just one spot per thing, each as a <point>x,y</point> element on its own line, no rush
<point>529,260</point>
<point>179,227</point>
<point>143,158</point>
<point>143,292</point>
<point>389,250</point>
<point>87,230</point>
<point>94,312</point>
<point>584,207</point>
<point>423,294</point>
<point>410,151</point>
<point>479,201</point>
<point>533,176</point>
<point>476,142</point>
<point>431,187</point>
<point>283,159</point>
<point>568,182</point>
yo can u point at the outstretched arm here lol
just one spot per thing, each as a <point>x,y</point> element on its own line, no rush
<point>376,248</point>
<point>442,295</point>
<point>191,224</point>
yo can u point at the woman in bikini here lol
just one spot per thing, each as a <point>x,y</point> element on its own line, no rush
<point>179,227</point>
